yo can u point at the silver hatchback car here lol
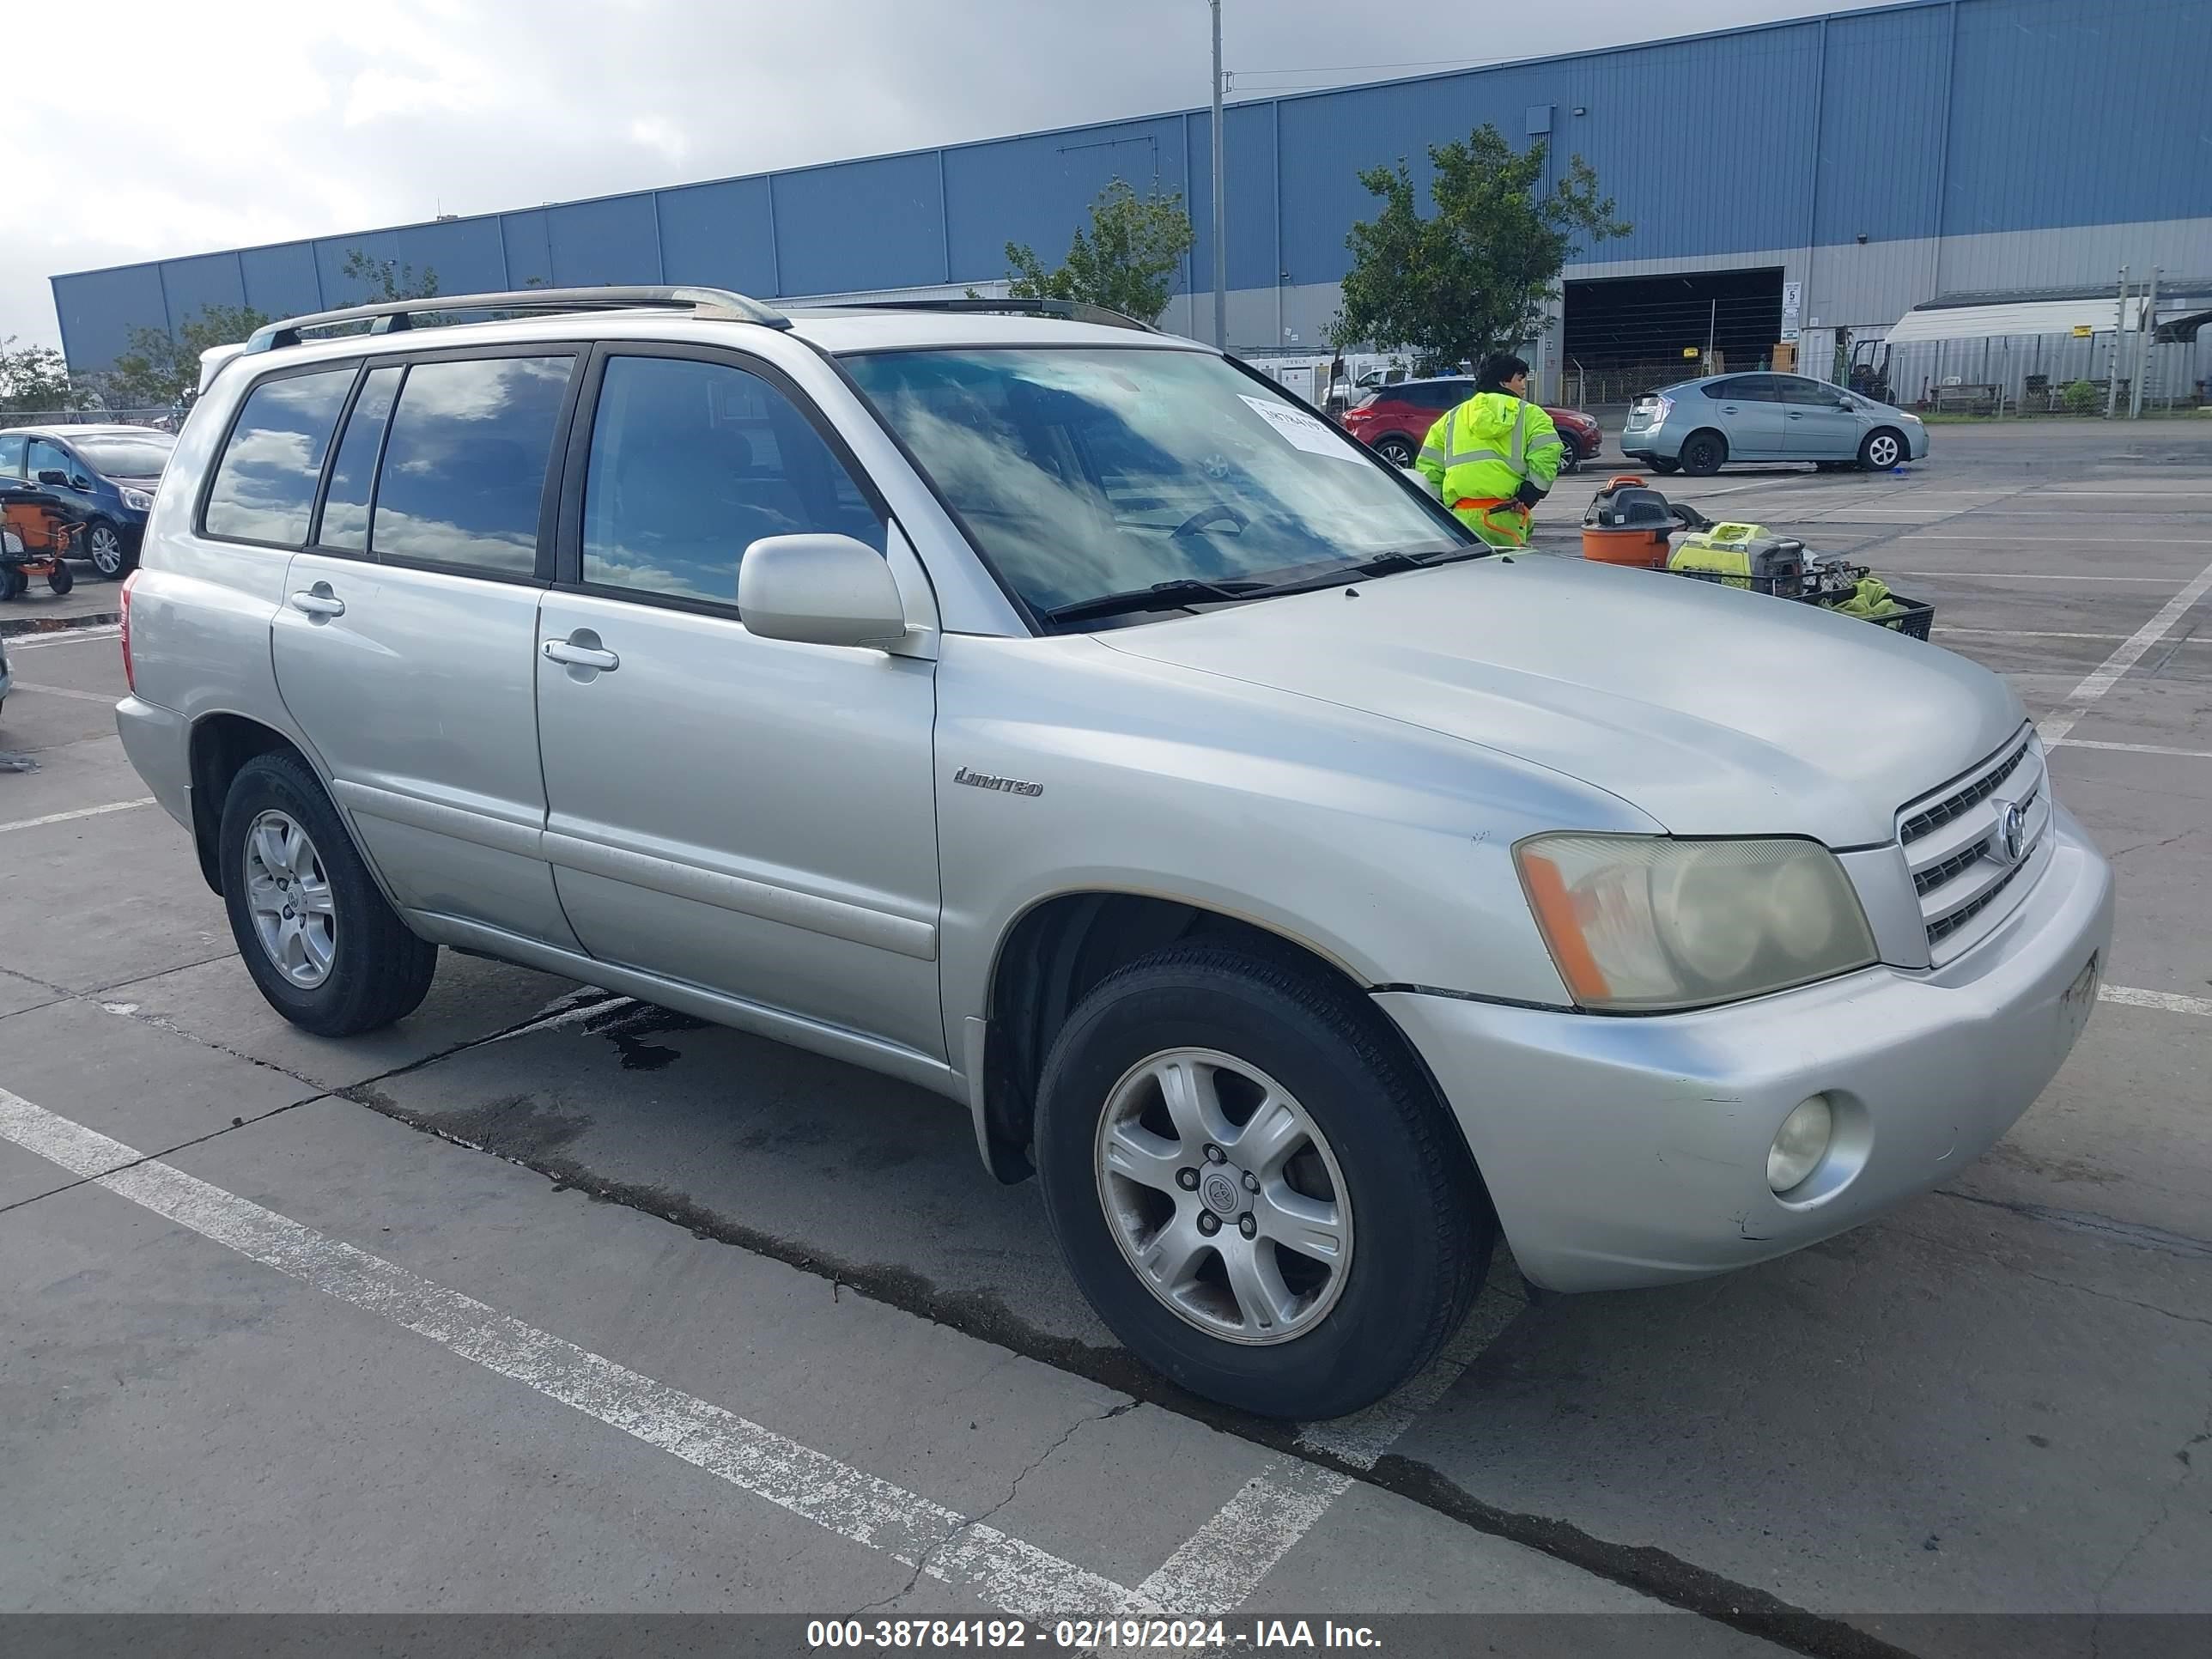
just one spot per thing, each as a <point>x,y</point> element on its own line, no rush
<point>1700,426</point>
<point>1057,715</point>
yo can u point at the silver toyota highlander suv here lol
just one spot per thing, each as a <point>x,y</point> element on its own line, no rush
<point>1059,715</point>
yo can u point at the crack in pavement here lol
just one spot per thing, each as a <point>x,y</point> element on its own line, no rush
<point>2165,1514</point>
<point>968,1524</point>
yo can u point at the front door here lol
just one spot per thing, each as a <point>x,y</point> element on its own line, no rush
<point>405,644</point>
<point>1817,424</point>
<point>751,816</point>
<point>1751,416</point>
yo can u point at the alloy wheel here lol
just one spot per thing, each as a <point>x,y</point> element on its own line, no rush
<point>289,896</point>
<point>1225,1197</point>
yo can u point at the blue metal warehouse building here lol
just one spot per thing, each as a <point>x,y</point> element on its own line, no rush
<point>1859,163</point>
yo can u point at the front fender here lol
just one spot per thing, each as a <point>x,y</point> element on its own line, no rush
<point>1066,768</point>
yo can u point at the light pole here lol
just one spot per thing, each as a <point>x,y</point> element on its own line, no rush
<point>1220,215</point>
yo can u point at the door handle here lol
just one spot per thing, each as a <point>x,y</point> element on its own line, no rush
<point>1796,415</point>
<point>1730,409</point>
<point>320,603</point>
<point>581,656</point>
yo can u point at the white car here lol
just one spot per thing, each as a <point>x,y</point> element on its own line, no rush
<point>1052,714</point>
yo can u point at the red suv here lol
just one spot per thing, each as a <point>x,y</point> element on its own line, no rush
<point>1392,420</point>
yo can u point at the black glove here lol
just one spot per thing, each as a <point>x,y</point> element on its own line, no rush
<point>1530,492</point>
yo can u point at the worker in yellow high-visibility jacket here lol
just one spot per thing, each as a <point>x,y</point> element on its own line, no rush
<point>1495,456</point>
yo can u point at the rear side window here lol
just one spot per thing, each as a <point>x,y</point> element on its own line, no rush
<point>464,463</point>
<point>693,462</point>
<point>264,485</point>
<point>345,504</point>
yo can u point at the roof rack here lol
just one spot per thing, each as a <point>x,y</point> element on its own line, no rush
<point>1074,311</point>
<point>391,317</point>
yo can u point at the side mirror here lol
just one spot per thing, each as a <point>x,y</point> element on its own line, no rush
<point>819,590</point>
<point>55,476</point>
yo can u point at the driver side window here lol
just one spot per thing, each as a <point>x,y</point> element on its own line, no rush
<point>51,458</point>
<point>691,463</point>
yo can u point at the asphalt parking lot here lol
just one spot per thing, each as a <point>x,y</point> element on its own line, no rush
<point>547,1301</point>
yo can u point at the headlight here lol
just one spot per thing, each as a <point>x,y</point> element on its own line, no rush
<point>1646,922</point>
<point>138,501</point>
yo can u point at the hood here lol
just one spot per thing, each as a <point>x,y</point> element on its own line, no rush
<point>1713,710</point>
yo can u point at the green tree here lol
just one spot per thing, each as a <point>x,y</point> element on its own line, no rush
<point>157,368</point>
<point>388,280</point>
<point>34,378</point>
<point>1126,261</point>
<point>2080,398</point>
<point>1476,275</point>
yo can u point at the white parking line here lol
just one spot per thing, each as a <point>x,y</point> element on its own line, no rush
<point>2026,634</point>
<point>16,642</point>
<point>81,812</point>
<point>1224,1561</point>
<point>913,1530</point>
<point>107,698</point>
<point>2100,541</point>
<point>2033,576</point>
<point>2084,696</point>
<point>2171,1001</point>
<point>2131,748</point>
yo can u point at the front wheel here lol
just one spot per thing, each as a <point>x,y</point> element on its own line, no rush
<point>325,949</point>
<point>1254,1185</point>
<point>1881,450</point>
<point>1398,451</point>
<point>60,579</point>
<point>1570,454</point>
<point>103,545</point>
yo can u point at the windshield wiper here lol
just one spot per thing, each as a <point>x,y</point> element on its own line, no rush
<point>1388,564</point>
<point>1160,596</point>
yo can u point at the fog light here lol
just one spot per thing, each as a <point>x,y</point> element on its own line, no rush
<point>1800,1144</point>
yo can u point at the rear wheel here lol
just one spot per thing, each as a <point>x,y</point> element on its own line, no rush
<point>1396,450</point>
<point>1703,453</point>
<point>1882,450</point>
<point>13,583</point>
<point>1254,1185</point>
<point>103,545</point>
<point>323,945</point>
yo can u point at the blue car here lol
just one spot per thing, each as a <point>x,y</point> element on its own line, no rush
<point>1700,426</point>
<point>104,476</point>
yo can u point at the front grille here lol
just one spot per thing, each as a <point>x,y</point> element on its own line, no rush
<point>1963,875</point>
<point>1966,800</point>
<point>1947,926</point>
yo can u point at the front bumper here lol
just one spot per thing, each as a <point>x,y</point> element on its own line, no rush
<point>1916,441</point>
<point>1632,1150</point>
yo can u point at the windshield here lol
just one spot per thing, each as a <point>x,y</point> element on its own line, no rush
<point>1082,472</point>
<point>125,457</point>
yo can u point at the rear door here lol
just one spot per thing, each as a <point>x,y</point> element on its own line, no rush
<point>406,648</point>
<point>751,816</point>
<point>1747,409</point>
<point>1819,425</point>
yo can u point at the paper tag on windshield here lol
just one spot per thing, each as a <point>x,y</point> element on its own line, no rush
<point>1301,430</point>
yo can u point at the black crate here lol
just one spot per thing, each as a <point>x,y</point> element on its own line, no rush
<point>1913,622</point>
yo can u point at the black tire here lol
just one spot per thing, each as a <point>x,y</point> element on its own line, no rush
<point>1396,450</point>
<point>1884,442</point>
<point>60,579</point>
<point>379,972</point>
<point>1570,454</point>
<point>1658,464</point>
<point>103,545</point>
<point>1703,454</point>
<point>1421,1223</point>
<point>14,584</point>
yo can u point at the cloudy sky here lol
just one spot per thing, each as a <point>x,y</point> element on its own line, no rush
<point>161,127</point>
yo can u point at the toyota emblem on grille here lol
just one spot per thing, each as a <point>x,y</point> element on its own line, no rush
<point>2010,842</point>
